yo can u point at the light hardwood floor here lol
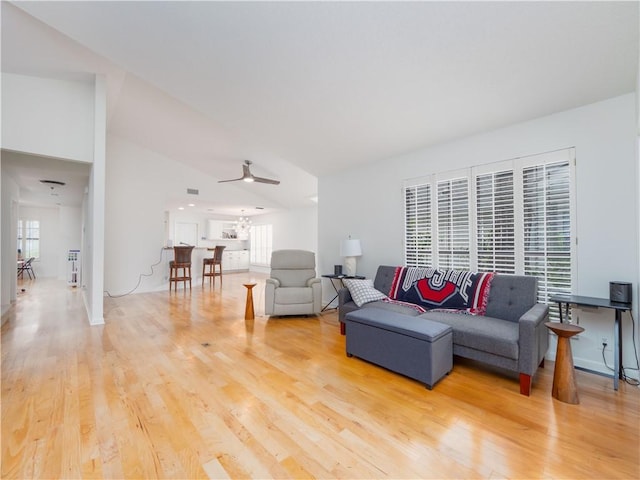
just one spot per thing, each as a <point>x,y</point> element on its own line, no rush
<point>180,386</point>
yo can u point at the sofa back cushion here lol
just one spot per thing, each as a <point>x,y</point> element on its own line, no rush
<point>511,296</point>
<point>384,278</point>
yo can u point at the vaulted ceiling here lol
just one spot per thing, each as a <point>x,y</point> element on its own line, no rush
<point>306,89</point>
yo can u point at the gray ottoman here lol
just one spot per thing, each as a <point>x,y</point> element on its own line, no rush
<point>416,347</point>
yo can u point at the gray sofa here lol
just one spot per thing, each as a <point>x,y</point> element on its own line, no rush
<point>510,335</point>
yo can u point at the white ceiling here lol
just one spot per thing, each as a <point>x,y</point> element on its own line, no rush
<point>306,89</point>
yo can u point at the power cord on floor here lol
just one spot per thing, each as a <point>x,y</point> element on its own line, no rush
<point>139,279</point>
<point>625,377</point>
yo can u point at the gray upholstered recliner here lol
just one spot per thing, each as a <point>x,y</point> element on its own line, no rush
<point>293,288</point>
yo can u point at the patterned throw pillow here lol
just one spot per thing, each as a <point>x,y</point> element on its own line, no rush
<point>362,291</point>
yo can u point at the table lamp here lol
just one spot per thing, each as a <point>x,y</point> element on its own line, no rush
<point>350,249</point>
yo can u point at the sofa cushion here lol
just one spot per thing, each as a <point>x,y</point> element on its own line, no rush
<point>362,291</point>
<point>293,295</point>
<point>480,332</point>
<point>511,296</point>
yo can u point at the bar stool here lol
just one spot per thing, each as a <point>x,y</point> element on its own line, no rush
<point>211,263</point>
<point>181,260</point>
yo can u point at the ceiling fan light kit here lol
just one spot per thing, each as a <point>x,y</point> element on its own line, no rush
<point>248,177</point>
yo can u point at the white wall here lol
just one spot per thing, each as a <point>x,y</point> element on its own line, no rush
<point>64,119</point>
<point>292,229</point>
<point>70,235</point>
<point>8,235</point>
<point>93,241</point>
<point>604,135</point>
<point>48,116</point>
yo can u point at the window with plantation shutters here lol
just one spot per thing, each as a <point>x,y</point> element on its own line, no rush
<point>495,222</point>
<point>547,227</point>
<point>418,246</point>
<point>453,224</point>
<point>517,218</point>
<point>261,237</point>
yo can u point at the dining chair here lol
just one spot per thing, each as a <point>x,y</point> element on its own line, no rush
<point>26,266</point>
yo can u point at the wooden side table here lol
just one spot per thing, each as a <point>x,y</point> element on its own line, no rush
<point>248,309</point>
<point>564,375</point>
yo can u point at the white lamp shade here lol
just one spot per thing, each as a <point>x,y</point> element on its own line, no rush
<point>350,248</point>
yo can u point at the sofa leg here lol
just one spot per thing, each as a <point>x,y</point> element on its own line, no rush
<point>342,329</point>
<point>525,384</point>
<point>542,363</point>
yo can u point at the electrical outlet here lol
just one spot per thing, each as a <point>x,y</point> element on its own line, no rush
<point>605,341</point>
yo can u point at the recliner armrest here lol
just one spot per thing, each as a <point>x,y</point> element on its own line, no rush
<point>313,281</point>
<point>273,281</point>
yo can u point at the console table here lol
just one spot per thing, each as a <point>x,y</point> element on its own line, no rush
<point>617,328</point>
<point>340,278</point>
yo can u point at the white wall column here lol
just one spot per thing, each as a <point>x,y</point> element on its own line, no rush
<point>93,257</point>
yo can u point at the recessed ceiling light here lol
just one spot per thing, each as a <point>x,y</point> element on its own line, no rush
<point>180,208</point>
<point>191,205</point>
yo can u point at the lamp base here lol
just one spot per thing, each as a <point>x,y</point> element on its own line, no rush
<point>350,266</point>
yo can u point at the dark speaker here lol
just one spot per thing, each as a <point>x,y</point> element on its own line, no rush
<point>620,292</point>
<point>337,269</point>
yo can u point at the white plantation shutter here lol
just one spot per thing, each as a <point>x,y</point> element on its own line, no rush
<point>261,237</point>
<point>453,223</point>
<point>547,227</point>
<point>495,222</point>
<point>418,243</point>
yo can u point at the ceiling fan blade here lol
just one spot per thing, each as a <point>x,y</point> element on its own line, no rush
<point>234,180</point>
<point>266,180</point>
<point>247,176</point>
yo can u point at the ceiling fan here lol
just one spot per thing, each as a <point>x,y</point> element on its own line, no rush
<point>247,176</point>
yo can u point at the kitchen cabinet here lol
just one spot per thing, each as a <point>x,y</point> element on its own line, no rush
<point>235,260</point>
<point>214,229</point>
<point>217,229</point>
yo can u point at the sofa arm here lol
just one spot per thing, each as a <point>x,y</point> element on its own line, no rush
<point>312,281</point>
<point>533,338</point>
<point>344,296</point>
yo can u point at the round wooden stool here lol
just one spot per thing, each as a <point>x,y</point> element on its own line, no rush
<point>248,310</point>
<point>564,375</point>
